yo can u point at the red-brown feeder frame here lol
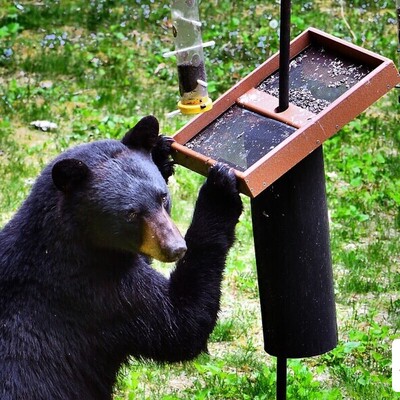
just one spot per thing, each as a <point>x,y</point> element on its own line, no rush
<point>308,129</point>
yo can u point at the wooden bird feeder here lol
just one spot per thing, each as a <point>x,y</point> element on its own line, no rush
<point>331,82</point>
<point>270,128</point>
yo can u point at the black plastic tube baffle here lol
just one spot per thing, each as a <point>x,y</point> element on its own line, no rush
<point>291,235</point>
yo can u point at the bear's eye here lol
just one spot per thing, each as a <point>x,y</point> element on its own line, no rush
<point>164,200</point>
<point>131,216</point>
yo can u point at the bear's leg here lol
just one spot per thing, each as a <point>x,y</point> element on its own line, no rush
<point>177,316</point>
<point>195,285</point>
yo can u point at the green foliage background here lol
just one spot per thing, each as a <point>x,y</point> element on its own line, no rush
<point>95,67</point>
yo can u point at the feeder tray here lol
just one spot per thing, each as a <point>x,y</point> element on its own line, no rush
<point>331,82</point>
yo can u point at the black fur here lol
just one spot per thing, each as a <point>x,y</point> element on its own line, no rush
<point>68,173</point>
<point>76,297</point>
<point>143,135</point>
<point>161,158</point>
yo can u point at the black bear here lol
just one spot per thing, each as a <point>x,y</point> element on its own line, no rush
<point>77,293</point>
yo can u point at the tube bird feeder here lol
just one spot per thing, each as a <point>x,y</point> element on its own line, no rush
<point>186,27</point>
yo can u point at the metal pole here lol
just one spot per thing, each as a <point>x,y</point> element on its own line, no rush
<point>281,377</point>
<point>284,55</point>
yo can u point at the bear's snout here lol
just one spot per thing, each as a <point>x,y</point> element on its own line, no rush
<point>161,238</point>
<point>179,251</point>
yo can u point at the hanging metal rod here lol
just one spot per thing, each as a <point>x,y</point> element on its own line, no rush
<point>284,55</point>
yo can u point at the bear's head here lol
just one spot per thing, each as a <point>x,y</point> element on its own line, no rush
<point>115,195</point>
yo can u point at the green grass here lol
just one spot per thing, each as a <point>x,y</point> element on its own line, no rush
<point>96,67</point>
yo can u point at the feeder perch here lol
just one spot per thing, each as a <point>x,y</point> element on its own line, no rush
<point>190,57</point>
<point>331,82</point>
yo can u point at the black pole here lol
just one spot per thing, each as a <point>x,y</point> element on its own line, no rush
<point>284,55</point>
<point>281,376</point>
<point>284,61</point>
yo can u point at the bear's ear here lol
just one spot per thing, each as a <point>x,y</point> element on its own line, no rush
<point>68,173</point>
<point>143,135</point>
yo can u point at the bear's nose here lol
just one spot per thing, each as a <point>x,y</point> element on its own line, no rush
<point>178,252</point>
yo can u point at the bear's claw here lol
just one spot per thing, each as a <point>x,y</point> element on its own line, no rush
<point>161,156</point>
<point>221,176</point>
<point>222,194</point>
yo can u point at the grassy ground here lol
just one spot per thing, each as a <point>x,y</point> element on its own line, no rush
<point>96,67</point>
